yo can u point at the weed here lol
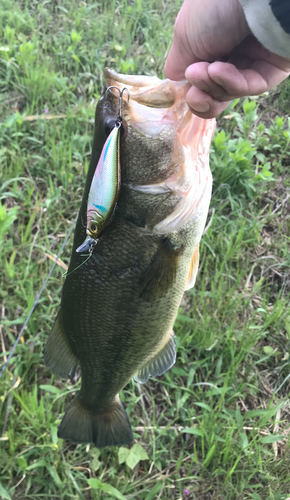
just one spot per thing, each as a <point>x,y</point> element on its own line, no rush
<point>216,425</point>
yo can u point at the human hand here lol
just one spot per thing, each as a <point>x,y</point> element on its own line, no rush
<point>214,49</point>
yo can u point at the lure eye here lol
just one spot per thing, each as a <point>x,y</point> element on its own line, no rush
<point>93,230</point>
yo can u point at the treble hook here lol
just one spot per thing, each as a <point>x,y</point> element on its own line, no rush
<point>120,98</point>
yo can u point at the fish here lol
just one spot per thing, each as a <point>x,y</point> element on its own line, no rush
<point>118,306</point>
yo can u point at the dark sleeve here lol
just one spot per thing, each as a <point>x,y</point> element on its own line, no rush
<point>281,10</point>
<point>269,21</point>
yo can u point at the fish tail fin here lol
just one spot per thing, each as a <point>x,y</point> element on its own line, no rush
<point>107,426</point>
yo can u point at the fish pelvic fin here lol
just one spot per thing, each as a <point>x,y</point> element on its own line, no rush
<point>58,355</point>
<point>162,360</point>
<point>107,426</point>
<point>193,269</point>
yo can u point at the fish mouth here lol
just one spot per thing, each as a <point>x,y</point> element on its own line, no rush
<point>148,90</point>
<point>156,103</point>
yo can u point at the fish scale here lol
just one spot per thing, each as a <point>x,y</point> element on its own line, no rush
<point>118,306</point>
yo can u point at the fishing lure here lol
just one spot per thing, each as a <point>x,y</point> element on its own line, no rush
<point>106,184</point>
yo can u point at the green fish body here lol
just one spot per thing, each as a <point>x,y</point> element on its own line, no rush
<point>118,308</point>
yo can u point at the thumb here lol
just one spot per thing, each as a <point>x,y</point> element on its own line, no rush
<point>177,61</point>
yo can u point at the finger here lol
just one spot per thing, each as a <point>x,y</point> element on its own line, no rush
<point>198,75</point>
<point>203,105</point>
<point>221,81</point>
<point>225,81</point>
<point>259,77</point>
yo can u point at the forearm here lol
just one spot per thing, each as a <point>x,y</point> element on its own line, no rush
<point>269,20</point>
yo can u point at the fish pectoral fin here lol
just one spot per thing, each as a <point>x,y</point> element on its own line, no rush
<point>159,276</point>
<point>183,213</point>
<point>58,355</point>
<point>107,426</point>
<point>160,362</point>
<point>193,269</point>
<point>194,200</point>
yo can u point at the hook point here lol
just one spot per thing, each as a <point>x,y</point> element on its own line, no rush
<point>121,96</point>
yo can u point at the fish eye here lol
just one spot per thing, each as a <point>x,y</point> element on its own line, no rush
<point>109,125</point>
<point>93,228</point>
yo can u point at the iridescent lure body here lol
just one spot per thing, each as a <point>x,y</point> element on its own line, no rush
<point>105,187</point>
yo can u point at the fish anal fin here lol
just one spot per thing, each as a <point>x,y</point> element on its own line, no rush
<point>160,275</point>
<point>163,359</point>
<point>107,426</point>
<point>58,355</point>
<point>193,269</point>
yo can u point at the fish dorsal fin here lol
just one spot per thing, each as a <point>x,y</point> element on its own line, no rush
<point>58,355</point>
<point>163,359</point>
<point>193,269</point>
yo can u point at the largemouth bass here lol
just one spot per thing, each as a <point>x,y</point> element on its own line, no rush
<point>118,306</point>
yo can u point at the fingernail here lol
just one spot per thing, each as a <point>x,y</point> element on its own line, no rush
<point>201,107</point>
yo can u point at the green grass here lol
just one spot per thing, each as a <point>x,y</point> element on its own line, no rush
<point>216,425</point>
